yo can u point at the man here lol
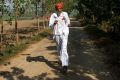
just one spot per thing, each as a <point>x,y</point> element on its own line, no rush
<point>59,22</point>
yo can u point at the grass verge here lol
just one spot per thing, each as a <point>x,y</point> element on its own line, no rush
<point>12,50</point>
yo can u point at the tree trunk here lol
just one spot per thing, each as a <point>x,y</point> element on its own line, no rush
<point>16,23</point>
<point>38,25</point>
<point>43,12</point>
<point>16,31</point>
<point>94,19</point>
<point>1,37</point>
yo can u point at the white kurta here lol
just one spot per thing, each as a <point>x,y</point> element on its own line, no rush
<point>62,26</point>
<point>60,33</point>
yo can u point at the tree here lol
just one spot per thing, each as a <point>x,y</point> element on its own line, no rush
<point>2,13</point>
<point>16,23</point>
<point>102,11</point>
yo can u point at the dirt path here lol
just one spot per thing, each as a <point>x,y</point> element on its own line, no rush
<point>40,62</point>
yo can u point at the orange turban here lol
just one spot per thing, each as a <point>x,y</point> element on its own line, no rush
<point>59,6</point>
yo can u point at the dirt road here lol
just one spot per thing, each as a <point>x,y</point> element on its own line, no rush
<point>40,61</point>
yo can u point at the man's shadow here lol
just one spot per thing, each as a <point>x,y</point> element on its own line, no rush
<point>53,64</point>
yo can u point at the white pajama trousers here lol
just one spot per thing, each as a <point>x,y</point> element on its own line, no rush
<point>61,42</point>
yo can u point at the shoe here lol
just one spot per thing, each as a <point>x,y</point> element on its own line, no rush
<point>64,69</point>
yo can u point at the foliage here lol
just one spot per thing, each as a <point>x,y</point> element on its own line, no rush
<point>102,12</point>
<point>115,23</point>
<point>101,9</point>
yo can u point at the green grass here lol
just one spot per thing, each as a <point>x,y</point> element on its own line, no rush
<point>12,50</point>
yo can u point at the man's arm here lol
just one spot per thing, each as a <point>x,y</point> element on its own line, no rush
<point>67,20</point>
<point>51,21</point>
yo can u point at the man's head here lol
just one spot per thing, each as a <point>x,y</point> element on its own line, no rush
<point>59,6</point>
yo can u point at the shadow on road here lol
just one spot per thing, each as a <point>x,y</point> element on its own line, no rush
<point>17,74</point>
<point>52,64</point>
<point>85,58</point>
<point>85,62</point>
<point>55,65</point>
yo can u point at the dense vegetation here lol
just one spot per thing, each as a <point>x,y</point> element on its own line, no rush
<point>105,14</point>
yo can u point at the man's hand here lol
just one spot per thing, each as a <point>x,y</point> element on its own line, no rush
<point>69,25</point>
<point>55,22</point>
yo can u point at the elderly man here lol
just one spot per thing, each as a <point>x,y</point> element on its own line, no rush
<point>59,22</point>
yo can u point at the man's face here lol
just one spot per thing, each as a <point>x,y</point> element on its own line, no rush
<point>59,10</point>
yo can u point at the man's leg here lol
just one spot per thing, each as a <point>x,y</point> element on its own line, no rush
<point>64,54</point>
<point>58,43</point>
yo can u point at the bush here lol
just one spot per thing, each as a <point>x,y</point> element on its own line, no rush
<point>105,26</point>
<point>115,24</point>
